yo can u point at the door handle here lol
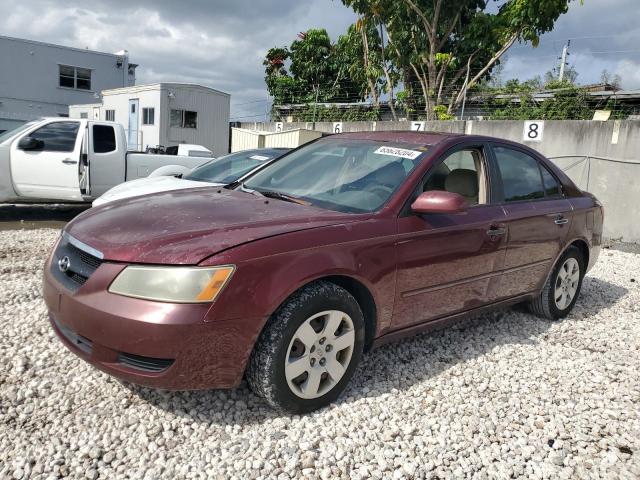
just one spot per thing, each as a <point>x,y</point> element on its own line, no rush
<point>495,231</point>
<point>68,161</point>
<point>560,220</point>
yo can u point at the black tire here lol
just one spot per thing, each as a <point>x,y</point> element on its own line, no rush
<point>545,305</point>
<point>266,369</point>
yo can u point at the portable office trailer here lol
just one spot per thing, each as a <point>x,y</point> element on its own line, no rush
<point>166,114</point>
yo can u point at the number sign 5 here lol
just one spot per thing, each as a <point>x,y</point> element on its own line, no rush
<point>533,130</point>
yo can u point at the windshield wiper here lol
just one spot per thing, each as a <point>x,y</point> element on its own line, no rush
<point>283,196</point>
<point>248,190</point>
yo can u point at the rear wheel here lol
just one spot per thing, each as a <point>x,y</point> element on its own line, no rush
<point>561,291</point>
<point>309,349</point>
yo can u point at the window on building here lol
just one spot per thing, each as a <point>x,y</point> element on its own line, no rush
<point>104,139</point>
<point>84,115</point>
<point>521,179</point>
<point>190,119</point>
<point>148,115</point>
<point>183,119</point>
<point>175,119</point>
<point>110,115</point>
<point>74,77</point>
<point>58,136</point>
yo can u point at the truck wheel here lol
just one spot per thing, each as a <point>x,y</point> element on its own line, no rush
<point>561,291</point>
<point>309,349</point>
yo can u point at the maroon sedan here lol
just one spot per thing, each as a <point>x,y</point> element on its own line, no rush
<point>341,245</point>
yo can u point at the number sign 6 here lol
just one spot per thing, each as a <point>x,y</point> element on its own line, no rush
<point>337,127</point>
<point>533,130</point>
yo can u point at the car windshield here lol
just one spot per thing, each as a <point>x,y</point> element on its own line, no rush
<point>346,175</point>
<point>12,133</point>
<point>231,167</point>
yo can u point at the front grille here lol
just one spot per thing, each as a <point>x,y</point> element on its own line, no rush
<point>78,341</point>
<point>146,364</point>
<point>80,263</point>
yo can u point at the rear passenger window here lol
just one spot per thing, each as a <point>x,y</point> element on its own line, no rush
<point>104,139</point>
<point>521,179</point>
<point>551,186</point>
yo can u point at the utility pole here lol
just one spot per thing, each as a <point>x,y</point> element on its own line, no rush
<point>563,59</point>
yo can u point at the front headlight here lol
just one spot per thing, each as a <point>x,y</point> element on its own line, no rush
<point>172,284</point>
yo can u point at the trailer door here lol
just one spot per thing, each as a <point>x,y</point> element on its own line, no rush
<point>106,155</point>
<point>133,125</point>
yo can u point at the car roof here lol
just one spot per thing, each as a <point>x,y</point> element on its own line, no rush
<point>402,136</point>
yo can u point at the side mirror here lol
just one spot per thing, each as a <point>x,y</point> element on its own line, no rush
<point>439,201</point>
<point>30,143</point>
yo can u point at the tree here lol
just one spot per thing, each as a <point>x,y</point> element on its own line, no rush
<point>350,70</point>
<point>441,42</point>
<point>359,51</point>
<point>610,79</point>
<point>552,78</point>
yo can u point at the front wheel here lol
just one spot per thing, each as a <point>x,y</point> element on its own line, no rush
<point>562,288</point>
<point>309,349</point>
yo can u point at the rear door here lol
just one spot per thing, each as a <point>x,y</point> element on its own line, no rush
<point>106,157</point>
<point>52,171</point>
<point>538,218</point>
<point>448,263</point>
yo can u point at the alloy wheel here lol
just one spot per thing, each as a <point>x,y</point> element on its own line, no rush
<point>319,353</point>
<point>567,283</point>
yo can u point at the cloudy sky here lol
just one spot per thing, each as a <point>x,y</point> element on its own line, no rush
<point>221,43</point>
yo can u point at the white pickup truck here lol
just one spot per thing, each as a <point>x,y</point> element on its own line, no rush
<point>69,160</point>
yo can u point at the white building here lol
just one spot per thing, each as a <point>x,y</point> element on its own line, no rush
<point>40,79</point>
<point>165,114</point>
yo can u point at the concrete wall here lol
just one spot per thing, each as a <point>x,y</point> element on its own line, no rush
<point>29,79</point>
<point>601,157</point>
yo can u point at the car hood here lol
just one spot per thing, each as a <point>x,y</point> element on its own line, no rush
<point>187,226</point>
<point>144,186</point>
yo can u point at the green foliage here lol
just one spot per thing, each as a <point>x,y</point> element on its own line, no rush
<point>440,112</point>
<point>322,113</point>
<point>571,103</point>
<point>326,72</point>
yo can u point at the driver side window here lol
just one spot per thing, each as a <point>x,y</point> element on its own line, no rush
<point>461,172</point>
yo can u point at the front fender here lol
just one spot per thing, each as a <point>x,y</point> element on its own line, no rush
<point>262,283</point>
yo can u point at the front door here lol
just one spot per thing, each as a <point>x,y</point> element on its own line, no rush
<point>133,125</point>
<point>538,219</point>
<point>448,263</point>
<point>50,172</point>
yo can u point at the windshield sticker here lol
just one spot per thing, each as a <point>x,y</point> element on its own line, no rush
<point>398,152</point>
<point>261,158</point>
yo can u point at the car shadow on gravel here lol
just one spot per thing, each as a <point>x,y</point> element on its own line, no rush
<point>395,366</point>
<point>18,217</point>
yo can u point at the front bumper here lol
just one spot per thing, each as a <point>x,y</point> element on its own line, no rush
<point>161,345</point>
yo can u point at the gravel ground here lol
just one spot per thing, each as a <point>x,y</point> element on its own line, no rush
<point>504,395</point>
